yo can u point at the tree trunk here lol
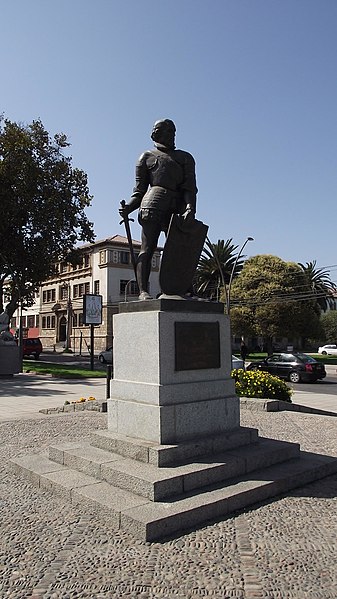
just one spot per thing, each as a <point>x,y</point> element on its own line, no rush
<point>269,345</point>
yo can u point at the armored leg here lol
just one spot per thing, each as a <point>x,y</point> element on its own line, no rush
<point>150,236</point>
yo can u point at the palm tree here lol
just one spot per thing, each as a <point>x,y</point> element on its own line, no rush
<point>323,289</point>
<point>215,267</point>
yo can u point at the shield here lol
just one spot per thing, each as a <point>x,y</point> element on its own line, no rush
<point>184,243</point>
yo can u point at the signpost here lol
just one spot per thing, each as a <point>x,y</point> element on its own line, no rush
<point>92,314</point>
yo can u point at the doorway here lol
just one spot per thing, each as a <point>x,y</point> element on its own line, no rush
<point>63,329</point>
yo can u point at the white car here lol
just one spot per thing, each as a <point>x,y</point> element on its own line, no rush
<point>328,350</point>
<point>105,357</point>
<point>236,363</point>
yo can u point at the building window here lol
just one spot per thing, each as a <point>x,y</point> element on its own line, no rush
<point>48,296</point>
<point>63,293</point>
<point>63,267</point>
<point>132,288</point>
<point>124,257</point>
<point>48,322</point>
<point>96,287</point>
<point>30,322</point>
<point>37,320</point>
<point>74,320</point>
<point>81,289</point>
<point>86,260</point>
<point>80,319</point>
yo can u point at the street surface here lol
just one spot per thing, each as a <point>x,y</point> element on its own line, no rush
<point>327,386</point>
<point>50,549</point>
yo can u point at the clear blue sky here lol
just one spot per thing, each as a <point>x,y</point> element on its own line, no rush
<point>250,84</point>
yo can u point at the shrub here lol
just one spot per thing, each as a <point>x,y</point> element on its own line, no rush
<point>255,383</point>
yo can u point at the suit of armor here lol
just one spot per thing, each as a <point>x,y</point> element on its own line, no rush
<point>165,185</point>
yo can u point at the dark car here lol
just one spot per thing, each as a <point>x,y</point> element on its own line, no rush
<point>32,346</point>
<point>295,367</point>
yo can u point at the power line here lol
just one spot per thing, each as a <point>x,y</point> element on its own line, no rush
<point>278,300</point>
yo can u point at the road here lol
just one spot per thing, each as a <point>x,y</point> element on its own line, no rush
<point>327,386</point>
<point>71,359</point>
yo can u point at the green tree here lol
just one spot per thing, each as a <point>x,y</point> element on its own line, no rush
<point>329,324</point>
<point>215,267</point>
<point>269,298</point>
<point>320,285</point>
<point>43,200</point>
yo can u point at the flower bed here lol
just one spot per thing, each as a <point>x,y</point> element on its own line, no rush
<point>261,385</point>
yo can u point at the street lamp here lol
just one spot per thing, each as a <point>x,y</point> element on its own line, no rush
<point>233,271</point>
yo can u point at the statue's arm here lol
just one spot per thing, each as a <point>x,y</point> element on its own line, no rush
<point>140,188</point>
<point>189,185</point>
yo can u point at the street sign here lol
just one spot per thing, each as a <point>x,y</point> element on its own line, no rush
<point>92,309</point>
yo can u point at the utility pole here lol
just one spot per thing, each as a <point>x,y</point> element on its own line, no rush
<point>69,321</point>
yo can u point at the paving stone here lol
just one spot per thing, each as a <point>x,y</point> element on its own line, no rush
<point>66,549</point>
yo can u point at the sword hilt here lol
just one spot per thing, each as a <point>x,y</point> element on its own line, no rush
<point>126,218</point>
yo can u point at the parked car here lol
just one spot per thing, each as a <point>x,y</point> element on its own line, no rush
<point>295,367</point>
<point>105,357</point>
<point>236,363</point>
<point>32,346</point>
<point>328,350</point>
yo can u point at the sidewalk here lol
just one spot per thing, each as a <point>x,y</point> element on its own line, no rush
<point>22,396</point>
<point>51,549</point>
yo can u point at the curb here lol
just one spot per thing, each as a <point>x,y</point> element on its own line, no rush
<point>92,406</point>
<point>276,405</point>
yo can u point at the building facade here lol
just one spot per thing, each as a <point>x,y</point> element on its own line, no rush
<point>105,269</point>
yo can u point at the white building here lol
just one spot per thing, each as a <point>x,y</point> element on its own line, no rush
<point>105,269</point>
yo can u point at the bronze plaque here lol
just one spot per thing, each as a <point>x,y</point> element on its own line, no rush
<point>197,345</point>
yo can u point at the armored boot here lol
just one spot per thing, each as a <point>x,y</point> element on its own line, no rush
<point>143,275</point>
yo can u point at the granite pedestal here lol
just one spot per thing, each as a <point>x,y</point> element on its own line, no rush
<point>172,363</point>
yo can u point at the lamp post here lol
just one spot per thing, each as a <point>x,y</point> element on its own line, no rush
<point>233,271</point>
<point>69,317</point>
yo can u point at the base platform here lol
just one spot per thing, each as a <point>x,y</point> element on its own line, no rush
<point>134,486</point>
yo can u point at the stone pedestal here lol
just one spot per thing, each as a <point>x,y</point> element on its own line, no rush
<point>9,359</point>
<point>175,455</point>
<point>172,363</point>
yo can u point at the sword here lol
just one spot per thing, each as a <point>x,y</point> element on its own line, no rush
<point>126,220</point>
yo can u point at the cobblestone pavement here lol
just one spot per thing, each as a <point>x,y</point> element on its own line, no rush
<point>282,549</point>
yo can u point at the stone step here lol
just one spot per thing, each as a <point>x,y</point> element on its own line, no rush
<point>169,455</point>
<point>151,521</point>
<point>159,484</point>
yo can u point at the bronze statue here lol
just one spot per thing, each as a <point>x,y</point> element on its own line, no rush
<point>165,185</point>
